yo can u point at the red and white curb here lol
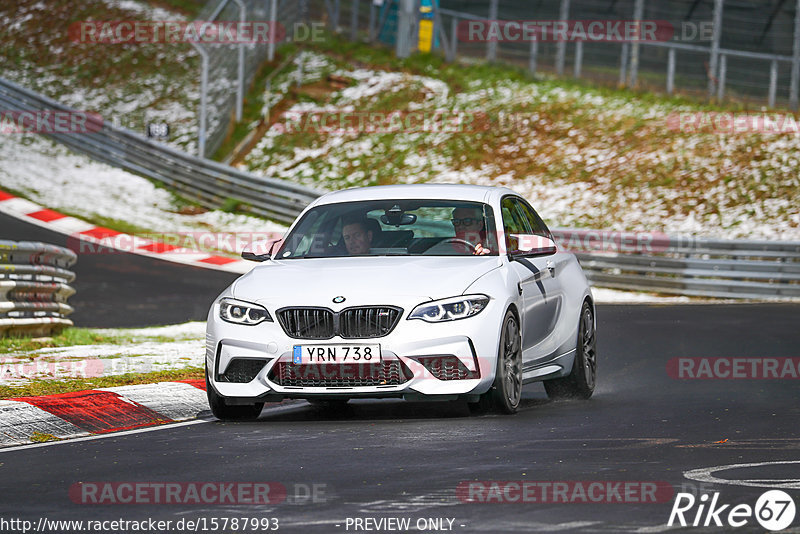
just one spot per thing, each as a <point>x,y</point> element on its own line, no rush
<point>25,420</point>
<point>106,238</point>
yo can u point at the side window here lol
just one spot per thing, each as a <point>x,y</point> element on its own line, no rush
<point>534,221</point>
<point>514,221</point>
<point>311,239</point>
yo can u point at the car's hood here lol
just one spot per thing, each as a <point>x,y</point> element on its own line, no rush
<point>362,279</point>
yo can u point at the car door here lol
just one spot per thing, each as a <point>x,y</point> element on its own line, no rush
<point>538,284</point>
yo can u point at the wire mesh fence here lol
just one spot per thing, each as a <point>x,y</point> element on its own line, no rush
<point>229,69</point>
<point>753,56</point>
<point>751,60</point>
<point>759,27</point>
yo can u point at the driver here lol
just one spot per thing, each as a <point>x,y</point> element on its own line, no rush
<point>357,239</point>
<point>470,226</point>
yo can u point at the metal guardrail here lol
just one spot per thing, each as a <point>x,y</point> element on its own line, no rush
<point>687,265</point>
<point>34,287</point>
<point>206,182</point>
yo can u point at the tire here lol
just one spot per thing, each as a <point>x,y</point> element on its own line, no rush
<point>506,391</point>
<point>580,383</point>
<point>226,412</point>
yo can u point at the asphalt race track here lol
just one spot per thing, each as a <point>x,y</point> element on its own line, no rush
<point>389,459</point>
<point>121,289</point>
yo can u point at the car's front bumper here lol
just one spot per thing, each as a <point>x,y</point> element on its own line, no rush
<point>447,359</point>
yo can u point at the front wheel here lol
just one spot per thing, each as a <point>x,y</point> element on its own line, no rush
<point>581,381</point>
<point>227,412</point>
<point>506,391</point>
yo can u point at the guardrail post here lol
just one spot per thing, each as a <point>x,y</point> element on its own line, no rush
<point>438,27</point>
<point>773,83</point>
<point>532,59</point>
<point>303,9</point>
<point>413,36</point>
<point>795,84</point>
<point>300,67</point>
<point>491,46</point>
<point>561,49</point>
<point>201,135</point>
<point>333,14</point>
<point>623,64</point>
<point>715,38</point>
<point>454,38</point>
<point>273,20</point>
<point>354,21</point>
<point>240,81</point>
<point>671,71</point>
<point>723,72</point>
<point>372,14</point>
<point>404,24</point>
<point>578,59</point>
<point>638,14</point>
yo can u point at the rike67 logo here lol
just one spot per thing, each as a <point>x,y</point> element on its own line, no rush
<point>774,510</point>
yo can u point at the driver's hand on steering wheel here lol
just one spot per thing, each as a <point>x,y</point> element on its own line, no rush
<point>480,250</point>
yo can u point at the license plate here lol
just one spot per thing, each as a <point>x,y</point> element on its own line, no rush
<point>322,354</point>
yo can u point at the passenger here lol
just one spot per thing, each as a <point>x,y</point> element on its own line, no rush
<point>470,226</point>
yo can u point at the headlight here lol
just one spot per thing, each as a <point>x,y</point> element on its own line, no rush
<point>450,309</point>
<point>240,312</point>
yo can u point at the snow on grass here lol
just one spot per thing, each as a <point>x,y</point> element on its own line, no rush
<point>140,350</point>
<point>307,67</point>
<point>149,12</point>
<point>52,176</point>
<point>128,84</point>
<point>180,332</point>
<point>585,157</point>
<point>345,159</point>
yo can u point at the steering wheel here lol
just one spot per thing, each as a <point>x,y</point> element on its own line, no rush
<point>457,241</point>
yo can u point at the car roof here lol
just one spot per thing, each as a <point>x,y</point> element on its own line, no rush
<point>475,193</point>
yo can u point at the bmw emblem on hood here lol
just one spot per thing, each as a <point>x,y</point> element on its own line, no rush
<point>338,300</point>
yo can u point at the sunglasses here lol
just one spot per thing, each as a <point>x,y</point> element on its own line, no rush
<point>467,221</point>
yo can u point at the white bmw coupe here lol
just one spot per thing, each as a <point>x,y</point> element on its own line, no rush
<point>423,292</point>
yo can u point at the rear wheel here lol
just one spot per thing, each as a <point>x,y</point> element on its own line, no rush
<point>227,412</point>
<point>581,381</point>
<point>506,391</point>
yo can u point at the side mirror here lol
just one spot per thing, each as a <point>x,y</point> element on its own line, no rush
<point>530,245</point>
<point>261,250</point>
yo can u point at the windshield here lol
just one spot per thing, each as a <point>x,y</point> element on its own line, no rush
<point>393,228</point>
